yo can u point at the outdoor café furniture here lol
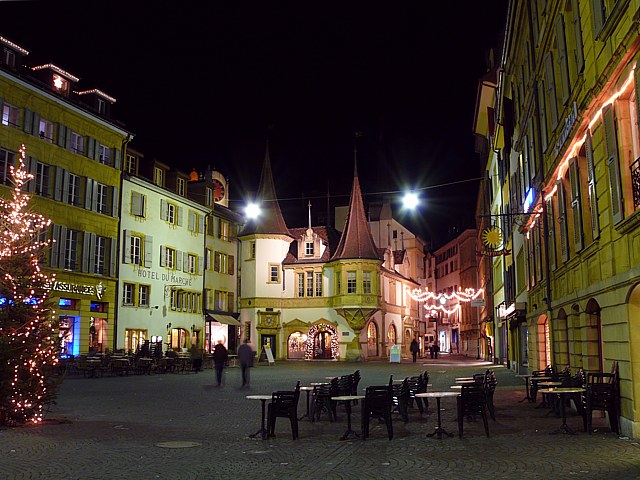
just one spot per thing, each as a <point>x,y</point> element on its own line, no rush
<point>284,403</point>
<point>489,385</point>
<point>465,378</point>
<point>144,365</point>
<point>526,386</point>
<point>401,397</point>
<point>263,431</point>
<point>321,401</point>
<point>471,402</point>
<point>347,399</point>
<point>439,431</point>
<point>562,393</point>
<point>308,390</point>
<point>377,404</point>
<point>602,395</point>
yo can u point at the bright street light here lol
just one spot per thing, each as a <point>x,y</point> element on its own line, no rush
<point>410,200</point>
<point>252,211</point>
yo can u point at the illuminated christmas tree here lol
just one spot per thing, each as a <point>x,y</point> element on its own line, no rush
<point>29,341</point>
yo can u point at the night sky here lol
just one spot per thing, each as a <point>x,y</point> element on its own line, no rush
<point>201,83</point>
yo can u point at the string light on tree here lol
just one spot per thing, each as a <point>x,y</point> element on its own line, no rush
<point>29,341</point>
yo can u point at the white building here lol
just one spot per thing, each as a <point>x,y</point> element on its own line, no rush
<point>161,281</point>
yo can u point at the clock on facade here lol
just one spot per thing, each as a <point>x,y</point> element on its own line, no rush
<point>218,190</point>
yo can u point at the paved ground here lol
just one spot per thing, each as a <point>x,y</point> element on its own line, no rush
<point>111,428</point>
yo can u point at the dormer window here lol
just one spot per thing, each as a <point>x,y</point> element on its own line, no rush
<point>9,58</point>
<point>308,249</point>
<point>158,176</point>
<point>60,84</point>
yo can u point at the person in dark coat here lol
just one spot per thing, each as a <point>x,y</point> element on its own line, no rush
<point>245,355</point>
<point>220,355</point>
<point>414,349</point>
<point>436,349</point>
<point>432,350</point>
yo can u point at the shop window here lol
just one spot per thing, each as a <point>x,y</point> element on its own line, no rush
<point>68,304</point>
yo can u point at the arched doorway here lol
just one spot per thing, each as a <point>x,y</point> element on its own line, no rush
<point>634,344</point>
<point>296,345</point>
<point>544,342</point>
<point>392,335</point>
<point>594,360</point>
<point>322,342</point>
<point>561,351</point>
<point>372,339</point>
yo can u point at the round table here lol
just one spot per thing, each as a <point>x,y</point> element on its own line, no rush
<point>438,395</point>
<point>308,390</point>
<point>526,386</point>
<point>561,392</point>
<point>348,399</point>
<point>263,431</point>
<point>465,378</point>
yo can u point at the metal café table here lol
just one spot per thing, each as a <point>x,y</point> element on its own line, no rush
<point>526,386</point>
<point>348,399</point>
<point>263,398</point>
<point>308,390</point>
<point>438,395</point>
<point>561,392</point>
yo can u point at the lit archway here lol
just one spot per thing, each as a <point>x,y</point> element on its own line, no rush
<point>322,342</point>
<point>594,360</point>
<point>296,345</point>
<point>372,339</point>
<point>561,350</point>
<point>544,342</point>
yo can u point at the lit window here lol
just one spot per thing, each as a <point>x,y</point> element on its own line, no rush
<point>127,293</point>
<point>274,273</point>
<point>351,282</point>
<point>10,115</point>
<point>45,130</point>
<point>366,282</point>
<point>143,295</point>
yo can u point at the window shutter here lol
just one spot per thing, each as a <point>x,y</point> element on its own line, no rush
<point>91,147</point>
<point>67,138</point>
<point>148,251</point>
<point>163,256</point>
<point>591,177</point>
<point>136,204</point>
<point>542,111</point>
<point>598,16</point>
<point>88,195</point>
<point>27,125</point>
<point>86,252</point>
<point>231,264</point>
<point>55,246</point>
<point>550,84</point>
<point>126,247</point>
<point>92,252</point>
<point>612,163</point>
<point>576,204</point>
<point>62,135</point>
<point>216,262</point>
<point>231,303</point>
<point>551,236</point>
<point>562,59</point>
<point>180,214</point>
<point>57,187</point>
<point>200,264</point>
<point>116,156</point>
<point>63,246</point>
<point>115,201</point>
<point>192,222</point>
<point>36,125</point>
<point>163,209</point>
<point>65,186</point>
<point>113,257</point>
<point>32,168</point>
<point>562,220</point>
<point>178,265</point>
<point>577,32</point>
<point>219,235</point>
<point>200,223</point>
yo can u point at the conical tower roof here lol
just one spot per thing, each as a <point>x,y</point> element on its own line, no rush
<point>270,220</point>
<point>356,240</point>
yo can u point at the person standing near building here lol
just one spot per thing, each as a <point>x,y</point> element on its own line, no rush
<point>414,349</point>
<point>245,355</point>
<point>220,356</point>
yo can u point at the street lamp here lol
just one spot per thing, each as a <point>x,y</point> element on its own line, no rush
<point>410,200</point>
<point>252,211</point>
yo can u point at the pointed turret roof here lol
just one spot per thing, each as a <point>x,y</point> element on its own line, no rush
<point>356,240</point>
<point>270,220</point>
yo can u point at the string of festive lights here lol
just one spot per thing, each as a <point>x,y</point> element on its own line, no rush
<point>441,299</point>
<point>319,328</point>
<point>29,343</point>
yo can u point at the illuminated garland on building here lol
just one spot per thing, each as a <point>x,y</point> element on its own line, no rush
<point>440,299</point>
<point>28,336</point>
<point>319,328</point>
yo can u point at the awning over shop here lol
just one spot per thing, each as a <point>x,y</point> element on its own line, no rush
<point>222,319</point>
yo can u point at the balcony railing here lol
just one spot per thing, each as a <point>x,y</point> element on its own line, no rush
<point>635,182</point>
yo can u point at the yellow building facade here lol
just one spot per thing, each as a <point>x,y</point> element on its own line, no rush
<point>74,152</point>
<point>568,107</point>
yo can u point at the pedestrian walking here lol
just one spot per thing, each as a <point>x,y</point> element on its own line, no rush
<point>245,355</point>
<point>220,356</point>
<point>414,349</point>
<point>436,349</point>
<point>431,350</point>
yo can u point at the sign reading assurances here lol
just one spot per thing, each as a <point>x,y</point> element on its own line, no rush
<point>97,290</point>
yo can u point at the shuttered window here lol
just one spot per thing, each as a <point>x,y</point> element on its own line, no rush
<point>562,222</point>
<point>576,205</point>
<point>613,164</point>
<point>591,182</point>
